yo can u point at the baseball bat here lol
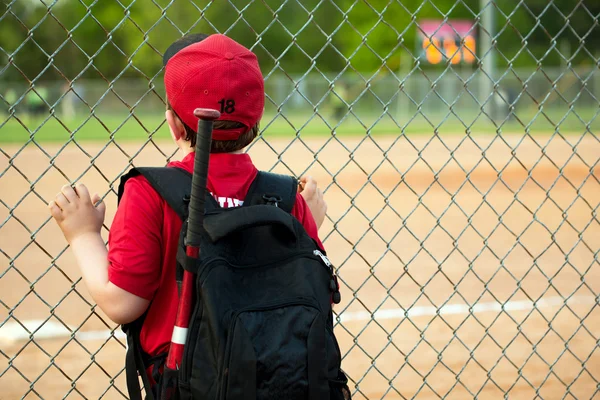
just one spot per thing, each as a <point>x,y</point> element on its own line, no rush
<point>194,232</point>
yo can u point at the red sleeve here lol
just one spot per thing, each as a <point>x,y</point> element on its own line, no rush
<point>135,240</point>
<point>303,214</point>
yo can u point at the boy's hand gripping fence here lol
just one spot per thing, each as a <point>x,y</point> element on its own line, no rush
<point>194,230</point>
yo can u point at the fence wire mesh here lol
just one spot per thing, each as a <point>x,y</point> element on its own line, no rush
<point>455,141</point>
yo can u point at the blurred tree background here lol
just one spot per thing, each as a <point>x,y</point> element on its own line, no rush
<point>109,39</point>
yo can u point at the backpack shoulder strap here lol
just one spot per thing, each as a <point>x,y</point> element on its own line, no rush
<point>134,361</point>
<point>172,184</point>
<point>268,187</point>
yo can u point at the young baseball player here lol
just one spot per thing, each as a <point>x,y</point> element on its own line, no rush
<point>136,274</point>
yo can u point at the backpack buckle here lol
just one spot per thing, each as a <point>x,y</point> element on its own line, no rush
<point>272,200</point>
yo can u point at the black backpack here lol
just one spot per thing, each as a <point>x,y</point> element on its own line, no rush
<point>262,323</point>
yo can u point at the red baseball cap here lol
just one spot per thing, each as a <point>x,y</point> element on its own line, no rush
<point>219,73</point>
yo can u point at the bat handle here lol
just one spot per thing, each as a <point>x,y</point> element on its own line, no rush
<point>200,176</point>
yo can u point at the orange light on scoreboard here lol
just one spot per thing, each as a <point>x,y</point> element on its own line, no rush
<point>452,40</point>
<point>469,49</point>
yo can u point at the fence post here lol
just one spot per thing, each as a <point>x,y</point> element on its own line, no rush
<point>487,58</point>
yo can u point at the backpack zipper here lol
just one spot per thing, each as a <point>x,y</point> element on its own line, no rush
<point>334,286</point>
<point>324,258</point>
<point>299,254</point>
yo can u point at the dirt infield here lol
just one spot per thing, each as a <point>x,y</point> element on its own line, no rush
<point>469,266</point>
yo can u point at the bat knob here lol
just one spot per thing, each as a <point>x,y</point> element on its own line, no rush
<point>206,114</point>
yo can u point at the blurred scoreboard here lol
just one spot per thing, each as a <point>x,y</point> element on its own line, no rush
<point>442,41</point>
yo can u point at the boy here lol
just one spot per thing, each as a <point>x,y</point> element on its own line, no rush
<point>136,275</point>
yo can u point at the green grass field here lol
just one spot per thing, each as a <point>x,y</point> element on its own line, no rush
<point>102,127</point>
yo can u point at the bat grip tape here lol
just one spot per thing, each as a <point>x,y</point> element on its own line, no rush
<point>199,179</point>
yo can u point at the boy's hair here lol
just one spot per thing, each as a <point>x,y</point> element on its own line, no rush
<point>221,146</point>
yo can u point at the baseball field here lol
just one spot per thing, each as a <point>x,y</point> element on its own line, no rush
<point>468,264</point>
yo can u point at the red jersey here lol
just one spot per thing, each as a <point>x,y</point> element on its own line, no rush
<point>144,236</point>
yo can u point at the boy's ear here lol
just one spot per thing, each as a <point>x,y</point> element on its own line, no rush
<point>175,126</point>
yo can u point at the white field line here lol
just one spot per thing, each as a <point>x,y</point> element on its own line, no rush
<point>449,309</point>
<point>13,331</point>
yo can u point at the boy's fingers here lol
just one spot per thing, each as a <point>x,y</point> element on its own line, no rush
<point>69,193</point>
<point>61,200</point>
<point>301,183</point>
<point>309,187</point>
<point>55,211</point>
<point>98,203</point>
<point>83,192</point>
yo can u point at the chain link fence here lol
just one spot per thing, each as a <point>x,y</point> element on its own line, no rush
<point>455,140</point>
